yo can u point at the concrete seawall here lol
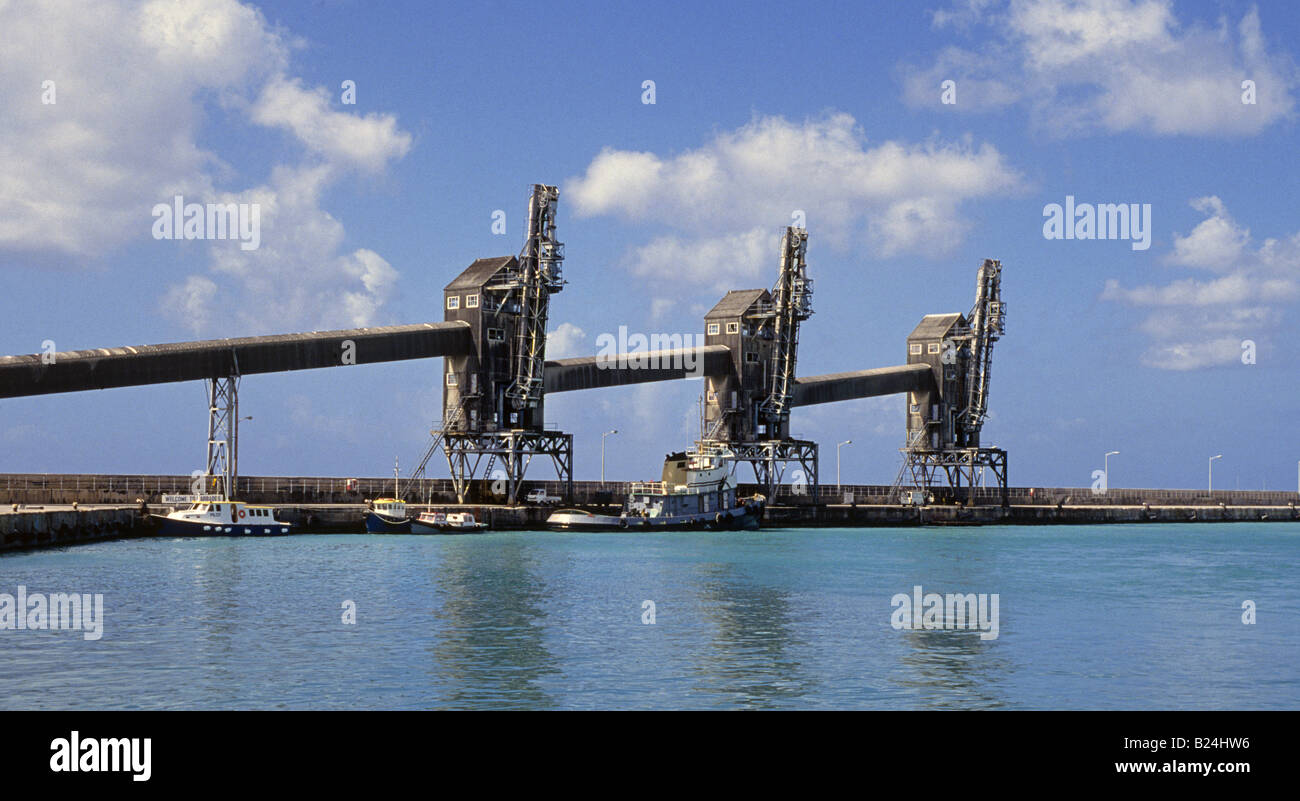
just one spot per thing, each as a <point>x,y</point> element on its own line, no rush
<point>55,526</point>
<point>58,526</point>
<point>93,488</point>
<point>1089,514</point>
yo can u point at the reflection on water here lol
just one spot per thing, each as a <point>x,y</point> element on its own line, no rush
<point>218,620</point>
<point>752,661</point>
<point>951,670</point>
<point>490,648</point>
<point>1090,617</point>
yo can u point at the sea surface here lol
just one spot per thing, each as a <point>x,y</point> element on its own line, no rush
<point>1089,617</point>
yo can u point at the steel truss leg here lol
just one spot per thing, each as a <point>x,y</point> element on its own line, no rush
<point>222,469</point>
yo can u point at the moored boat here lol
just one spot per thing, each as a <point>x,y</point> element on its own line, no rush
<point>446,523</point>
<point>696,491</point>
<point>221,517</point>
<point>387,516</point>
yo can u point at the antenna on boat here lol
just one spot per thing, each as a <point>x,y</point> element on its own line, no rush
<point>395,474</point>
<point>699,401</point>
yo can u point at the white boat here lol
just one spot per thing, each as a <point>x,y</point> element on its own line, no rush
<point>216,516</point>
<point>446,523</point>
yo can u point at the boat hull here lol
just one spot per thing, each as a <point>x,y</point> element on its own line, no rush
<point>430,528</point>
<point>383,524</point>
<point>739,519</point>
<point>171,527</point>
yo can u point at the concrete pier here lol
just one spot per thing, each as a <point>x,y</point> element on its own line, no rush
<point>59,525</point>
<point>1083,514</point>
<point>110,507</point>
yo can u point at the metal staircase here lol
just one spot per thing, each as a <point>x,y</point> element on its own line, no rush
<point>418,474</point>
<point>914,439</point>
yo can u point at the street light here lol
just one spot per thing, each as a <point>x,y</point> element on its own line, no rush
<point>602,456</point>
<point>1212,458</point>
<point>1106,468</point>
<point>837,462</point>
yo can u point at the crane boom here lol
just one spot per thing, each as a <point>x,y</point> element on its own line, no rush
<point>792,304</point>
<point>987,324</point>
<point>537,278</point>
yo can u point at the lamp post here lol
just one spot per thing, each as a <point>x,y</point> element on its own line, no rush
<point>837,462</point>
<point>602,456</point>
<point>1106,467</point>
<point>1212,458</point>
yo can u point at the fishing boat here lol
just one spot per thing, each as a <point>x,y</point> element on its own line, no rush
<point>446,523</point>
<point>696,491</point>
<point>388,516</point>
<point>218,516</point>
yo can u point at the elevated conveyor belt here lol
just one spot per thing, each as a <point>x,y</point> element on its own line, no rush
<point>78,370</point>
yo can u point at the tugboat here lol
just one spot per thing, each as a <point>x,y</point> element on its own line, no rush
<point>697,491</point>
<point>218,516</point>
<point>446,523</point>
<point>387,516</point>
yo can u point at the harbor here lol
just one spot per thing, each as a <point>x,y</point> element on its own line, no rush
<point>495,375</point>
<point>38,509</point>
<point>423,357</point>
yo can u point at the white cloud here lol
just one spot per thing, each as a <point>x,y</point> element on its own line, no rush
<point>300,276</point>
<point>1216,243</point>
<point>368,142</point>
<point>1200,323</point>
<point>719,262</point>
<point>1194,355</point>
<point>192,302</point>
<point>1110,65</point>
<point>566,341</point>
<point>1230,290</point>
<point>728,201</point>
<point>136,84</point>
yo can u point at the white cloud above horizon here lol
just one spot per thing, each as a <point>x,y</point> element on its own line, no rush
<point>136,85</point>
<point>726,203</point>
<point>1083,66</point>
<point>1198,323</point>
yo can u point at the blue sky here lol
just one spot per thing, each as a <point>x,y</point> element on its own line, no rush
<point>760,109</point>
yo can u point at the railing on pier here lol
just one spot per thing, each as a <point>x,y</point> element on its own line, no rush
<point>123,489</point>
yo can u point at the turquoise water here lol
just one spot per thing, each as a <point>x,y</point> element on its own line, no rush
<point>1089,617</point>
